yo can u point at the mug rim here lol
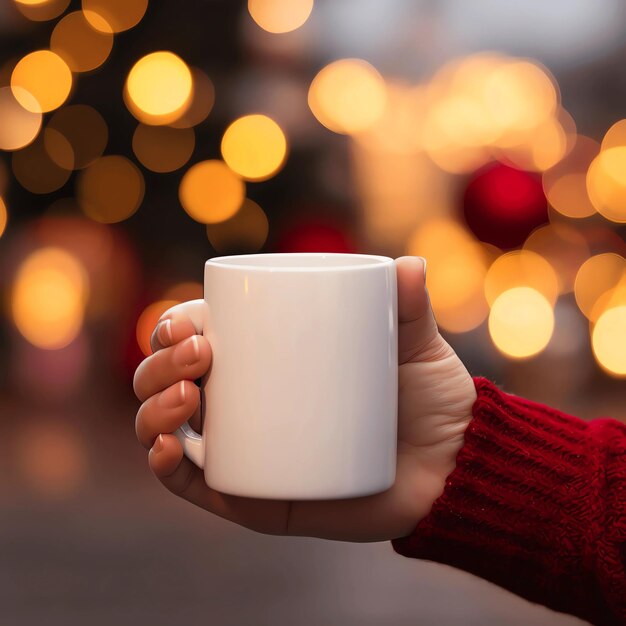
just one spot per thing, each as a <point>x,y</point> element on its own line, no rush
<point>370,261</point>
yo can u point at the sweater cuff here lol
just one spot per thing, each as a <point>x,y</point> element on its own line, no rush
<point>520,508</point>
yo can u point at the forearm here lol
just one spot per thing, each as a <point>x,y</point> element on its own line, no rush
<point>536,504</point>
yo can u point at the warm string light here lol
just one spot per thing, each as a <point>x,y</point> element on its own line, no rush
<point>521,322</point>
<point>280,16</point>
<point>48,299</point>
<point>255,147</point>
<point>79,44</point>
<point>348,96</point>
<point>110,189</point>
<point>211,192</point>
<point>159,88</point>
<point>474,111</point>
<point>457,265</point>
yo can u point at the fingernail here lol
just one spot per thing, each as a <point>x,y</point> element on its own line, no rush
<point>173,396</point>
<point>424,262</point>
<point>188,352</point>
<point>164,332</point>
<point>157,446</point>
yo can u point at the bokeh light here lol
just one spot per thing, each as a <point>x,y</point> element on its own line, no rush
<point>4,216</point>
<point>159,88</point>
<point>114,15</point>
<point>400,128</point>
<point>201,103</point>
<point>563,247</point>
<point>314,235</point>
<point>148,320</point>
<point>596,276</point>
<point>45,76</point>
<point>521,322</point>
<point>76,136</point>
<point>565,184</point>
<point>521,268</point>
<point>507,92</point>
<point>348,96</point>
<point>543,148</point>
<point>615,137</point>
<point>609,341</point>
<point>79,44</point>
<point>280,16</point>
<point>211,192</point>
<point>162,148</point>
<point>254,146</point>
<point>41,10</point>
<point>606,183</point>
<point>245,232</point>
<point>503,205</point>
<point>36,171</point>
<point>110,189</point>
<point>487,107</point>
<point>457,265</point>
<point>18,125</point>
<point>49,294</point>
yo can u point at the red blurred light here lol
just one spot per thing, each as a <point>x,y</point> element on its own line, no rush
<point>503,205</point>
<point>315,237</point>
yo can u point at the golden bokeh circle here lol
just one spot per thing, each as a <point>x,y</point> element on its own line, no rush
<point>596,276</point>
<point>18,125</point>
<point>48,299</point>
<point>78,131</point>
<point>45,76</point>
<point>36,171</point>
<point>162,148</point>
<point>280,16</point>
<point>521,268</point>
<point>348,96</point>
<point>110,189</point>
<point>159,88</point>
<point>606,183</point>
<point>457,265</point>
<point>201,103</point>
<point>41,10</point>
<point>255,147</point>
<point>608,341</point>
<point>521,322</point>
<point>245,232</point>
<point>114,15</point>
<point>615,137</point>
<point>79,44</point>
<point>211,192</point>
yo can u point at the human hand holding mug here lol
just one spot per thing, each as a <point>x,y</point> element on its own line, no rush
<point>306,471</point>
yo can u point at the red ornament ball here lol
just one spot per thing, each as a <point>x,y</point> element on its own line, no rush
<point>503,205</point>
<point>314,237</point>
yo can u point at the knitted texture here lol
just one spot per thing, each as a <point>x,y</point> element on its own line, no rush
<point>537,505</point>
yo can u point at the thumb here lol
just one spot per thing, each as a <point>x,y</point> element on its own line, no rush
<point>417,329</point>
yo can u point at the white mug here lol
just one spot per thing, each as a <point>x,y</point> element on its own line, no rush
<point>301,400</point>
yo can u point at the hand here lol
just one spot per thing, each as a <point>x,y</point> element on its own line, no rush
<point>436,394</point>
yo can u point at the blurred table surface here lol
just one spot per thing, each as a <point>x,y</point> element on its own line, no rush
<point>121,549</point>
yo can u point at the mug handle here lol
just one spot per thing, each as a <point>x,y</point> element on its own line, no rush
<point>190,440</point>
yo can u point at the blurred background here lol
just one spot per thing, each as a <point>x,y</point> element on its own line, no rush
<point>140,139</point>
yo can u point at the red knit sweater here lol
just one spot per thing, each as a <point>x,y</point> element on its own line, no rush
<point>536,504</point>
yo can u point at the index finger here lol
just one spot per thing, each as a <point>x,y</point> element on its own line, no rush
<point>173,327</point>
